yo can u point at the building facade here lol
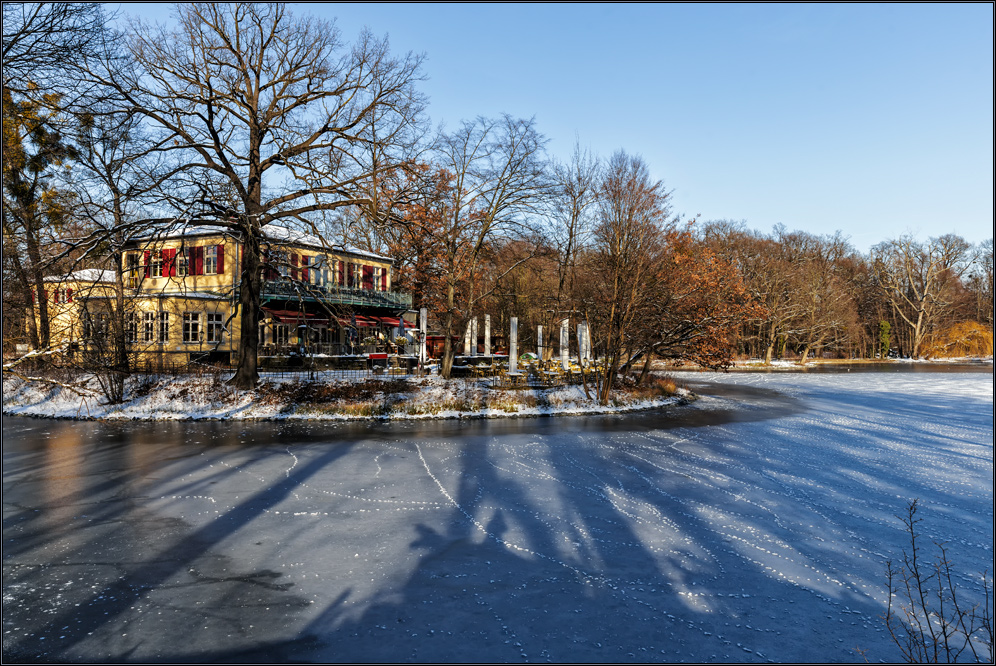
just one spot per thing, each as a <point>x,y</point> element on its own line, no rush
<point>182,291</point>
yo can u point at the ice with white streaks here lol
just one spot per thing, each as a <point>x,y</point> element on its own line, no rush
<point>761,537</point>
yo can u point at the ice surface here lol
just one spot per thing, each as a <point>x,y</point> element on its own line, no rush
<point>761,537</point>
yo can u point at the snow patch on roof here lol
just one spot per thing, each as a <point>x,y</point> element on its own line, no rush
<point>273,232</point>
<point>84,275</point>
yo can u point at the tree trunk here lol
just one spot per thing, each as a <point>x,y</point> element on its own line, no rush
<point>246,375</point>
<point>646,370</point>
<point>446,367</point>
<point>119,369</point>
<point>36,276</point>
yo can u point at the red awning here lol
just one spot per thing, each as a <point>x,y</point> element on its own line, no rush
<point>395,321</point>
<point>369,321</point>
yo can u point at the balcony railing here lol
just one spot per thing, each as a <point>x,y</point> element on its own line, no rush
<point>336,295</point>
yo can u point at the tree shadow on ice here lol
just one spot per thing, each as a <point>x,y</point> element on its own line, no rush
<point>567,551</point>
<point>132,559</point>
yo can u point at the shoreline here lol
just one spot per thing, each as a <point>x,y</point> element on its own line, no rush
<point>207,398</point>
<point>431,398</point>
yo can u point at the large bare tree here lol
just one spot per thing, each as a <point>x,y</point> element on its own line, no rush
<point>917,279</point>
<point>280,113</point>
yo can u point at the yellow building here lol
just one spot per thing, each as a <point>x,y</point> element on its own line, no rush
<point>182,289</point>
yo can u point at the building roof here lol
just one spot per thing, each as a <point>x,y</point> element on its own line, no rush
<point>273,232</point>
<point>84,275</point>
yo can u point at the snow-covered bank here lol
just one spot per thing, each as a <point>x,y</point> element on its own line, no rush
<point>207,397</point>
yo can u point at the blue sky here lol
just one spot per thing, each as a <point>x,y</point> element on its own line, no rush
<point>875,120</point>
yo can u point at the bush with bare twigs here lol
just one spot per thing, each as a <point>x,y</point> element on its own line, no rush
<point>926,617</point>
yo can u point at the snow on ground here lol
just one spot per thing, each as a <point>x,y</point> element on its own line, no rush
<point>207,397</point>
<point>750,526</point>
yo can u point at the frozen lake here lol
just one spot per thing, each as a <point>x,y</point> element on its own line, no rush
<point>753,526</point>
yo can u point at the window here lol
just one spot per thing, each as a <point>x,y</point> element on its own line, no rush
<point>280,334</point>
<point>148,326</point>
<point>133,270</point>
<point>156,268</point>
<point>131,327</point>
<point>215,327</point>
<point>211,260</point>
<point>191,326</point>
<point>182,263</point>
<point>281,263</point>
<point>95,325</point>
<point>163,327</point>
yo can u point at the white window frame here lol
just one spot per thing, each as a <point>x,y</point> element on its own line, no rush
<point>148,326</point>
<point>131,327</point>
<point>281,334</point>
<point>191,327</point>
<point>215,327</point>
<point>156,263</point>
<point>210,260</point>
<point>162,322</point>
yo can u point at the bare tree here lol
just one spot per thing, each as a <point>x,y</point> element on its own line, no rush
<point>498,178</point>
<point>575,200</point>
<point>278,111</point>
<point>119,170</point>
<point>42,40</point>
<point>980,282</point>
<point>824,308</point>
<point>628,244</point>
<point>917,279</point>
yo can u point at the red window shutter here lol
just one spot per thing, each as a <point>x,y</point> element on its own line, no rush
<point>148,264</point>
<point>368,277</point>
<point>383,279</point>
<point>305,271</point>
<point>339,273</point>
<point>55,296</point>
<point>198,260</point>
<point>169,263</point>
<point>293,266</point>
<point>350,269</point>
<point>69,295</point>
<point>221,259</point>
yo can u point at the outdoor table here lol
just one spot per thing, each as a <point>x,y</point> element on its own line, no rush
<point>515,378</point>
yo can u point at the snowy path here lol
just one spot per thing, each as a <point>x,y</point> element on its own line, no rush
<point>566,540</point>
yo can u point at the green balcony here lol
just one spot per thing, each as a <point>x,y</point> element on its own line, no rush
<point>284,290</point>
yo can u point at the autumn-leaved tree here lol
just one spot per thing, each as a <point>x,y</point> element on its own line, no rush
<point>277,112</point>
<point>694,304</point>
